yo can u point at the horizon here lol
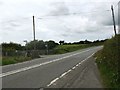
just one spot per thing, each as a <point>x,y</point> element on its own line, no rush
<point>54,41</point>
<point>54,20</point>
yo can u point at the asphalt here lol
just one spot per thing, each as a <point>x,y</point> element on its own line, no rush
<point>37,73</point>
<point>84,76</point>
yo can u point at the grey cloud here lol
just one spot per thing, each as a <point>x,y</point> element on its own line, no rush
<point>65,35</point>
<point>59,8</point>
<point>108,20</point>
<point>14,24</point>
<point>70,27</point>
<point>103,14</point>
<point>1,3</point>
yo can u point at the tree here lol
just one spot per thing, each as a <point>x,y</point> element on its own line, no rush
<point>39,45</point>
<point>11,46</point>
<point>87,42</point>
<point>81,42</point>
<point>61,42</point>
<point>51,44</point>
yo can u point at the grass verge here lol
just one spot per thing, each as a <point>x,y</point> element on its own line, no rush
<point>61,49</point>
<point>108,61</point>
<point>14,59</point>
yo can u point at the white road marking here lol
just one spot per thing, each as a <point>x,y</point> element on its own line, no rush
<point>73,67</point>
<point>63,75</point>
<point>38,65</point>
<point>68,71</point>
<point>52,82</point>
<point>77,65</point>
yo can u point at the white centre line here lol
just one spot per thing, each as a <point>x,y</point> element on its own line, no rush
<point>38,65</point>
<point>65,73</point>
<point>52,82</point>
<point>73,67</point>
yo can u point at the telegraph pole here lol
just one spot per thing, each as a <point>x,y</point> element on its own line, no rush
<point>34,32</point>
<point>113,19</point>
<point>119,17</point>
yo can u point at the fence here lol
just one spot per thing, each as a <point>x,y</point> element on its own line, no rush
<point>28,53</point>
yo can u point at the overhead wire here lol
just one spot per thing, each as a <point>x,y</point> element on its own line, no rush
<point>116,4</point>
<point>80,13</point>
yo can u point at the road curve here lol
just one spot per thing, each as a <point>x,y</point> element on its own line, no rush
<point>40,72</point>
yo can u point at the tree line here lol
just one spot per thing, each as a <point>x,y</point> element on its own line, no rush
<point>42,45</point>
<point>82,42</point>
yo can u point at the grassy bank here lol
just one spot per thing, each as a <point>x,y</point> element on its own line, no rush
<point>108,61</point>
<point>67,48</point>
<point>61,49</point>
<point>14,59</point>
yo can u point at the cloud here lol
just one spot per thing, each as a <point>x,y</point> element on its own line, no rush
<point>1,3</point>
<point>59,8</point>
<point>57,22</point>
<point>14,23</point>
<point>103,14</point>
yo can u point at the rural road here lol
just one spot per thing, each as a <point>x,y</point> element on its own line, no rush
<point>52,70</point>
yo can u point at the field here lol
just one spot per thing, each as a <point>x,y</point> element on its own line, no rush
<point>61,49</point>
<point>68,48</point>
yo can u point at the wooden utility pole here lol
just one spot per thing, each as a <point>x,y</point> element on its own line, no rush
<point>119,17</point>
<point>34,32</point>
<point>113,19</point>
<point>34,28</point>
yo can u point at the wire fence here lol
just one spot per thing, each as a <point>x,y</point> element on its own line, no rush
<point>27,53</point>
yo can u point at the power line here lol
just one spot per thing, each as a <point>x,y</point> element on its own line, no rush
<point>81,13</point>
<point>116,5</point>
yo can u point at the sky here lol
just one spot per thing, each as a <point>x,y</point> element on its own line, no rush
<point>68,20</point>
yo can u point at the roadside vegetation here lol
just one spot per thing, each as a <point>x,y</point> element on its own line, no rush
<point>14,53</point>
<point>108,61</point>
<point>68,48</point>
<point>14,59</point>
<point>61,49</point>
